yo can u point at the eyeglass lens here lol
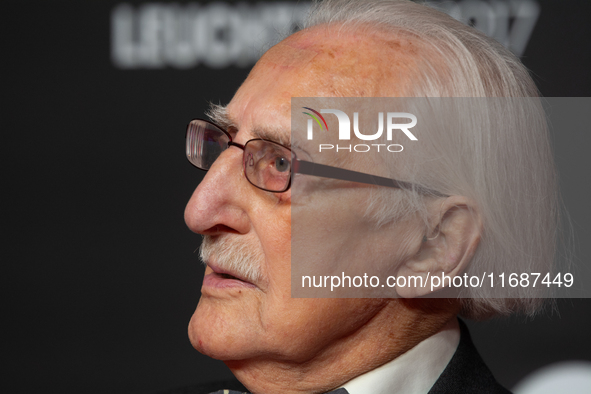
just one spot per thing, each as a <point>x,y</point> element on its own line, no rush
<point>267,165</point>
<point>205,143</point>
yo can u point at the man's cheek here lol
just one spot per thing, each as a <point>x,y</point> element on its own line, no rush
<point>285,198</point>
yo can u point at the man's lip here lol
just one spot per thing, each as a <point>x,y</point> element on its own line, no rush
<point>218,281</point>
<point>218,274</point>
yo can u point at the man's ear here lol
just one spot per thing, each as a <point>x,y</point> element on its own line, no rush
<point>447,247</point>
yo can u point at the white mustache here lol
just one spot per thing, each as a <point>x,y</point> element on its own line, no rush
<point>240,258</point>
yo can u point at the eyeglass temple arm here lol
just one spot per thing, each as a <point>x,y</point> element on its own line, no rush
<point>324,171</point>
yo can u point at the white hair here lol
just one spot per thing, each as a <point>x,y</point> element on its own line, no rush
<point>510,175</point>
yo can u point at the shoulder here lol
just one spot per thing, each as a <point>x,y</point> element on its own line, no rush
<point>467,372</point>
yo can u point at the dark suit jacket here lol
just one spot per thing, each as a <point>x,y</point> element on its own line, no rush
<point>466,373</point>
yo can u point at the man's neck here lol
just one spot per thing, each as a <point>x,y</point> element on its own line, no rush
<point>395,329</point>
<point>431,356</point>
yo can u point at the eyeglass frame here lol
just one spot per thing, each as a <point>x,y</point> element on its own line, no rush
<point>305,167</point>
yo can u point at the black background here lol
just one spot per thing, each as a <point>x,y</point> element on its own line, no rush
<point>100,277</point>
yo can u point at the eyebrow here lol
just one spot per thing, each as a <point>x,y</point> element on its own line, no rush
<point>273,135</point>
<point>219,115</point>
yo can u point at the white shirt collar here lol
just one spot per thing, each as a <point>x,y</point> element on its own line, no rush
<point>415,371</point>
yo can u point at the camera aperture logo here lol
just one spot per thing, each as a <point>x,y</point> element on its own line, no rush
<point>345,130</point>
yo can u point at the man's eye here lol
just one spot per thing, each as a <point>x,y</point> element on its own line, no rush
<point>281,164</point>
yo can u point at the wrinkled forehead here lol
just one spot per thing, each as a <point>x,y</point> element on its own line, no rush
<point>322,62</point>
<point>353,62</point>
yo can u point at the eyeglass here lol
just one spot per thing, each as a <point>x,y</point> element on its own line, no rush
<point>269,165</point>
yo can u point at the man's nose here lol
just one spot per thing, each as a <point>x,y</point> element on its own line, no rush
<point>218,203</point>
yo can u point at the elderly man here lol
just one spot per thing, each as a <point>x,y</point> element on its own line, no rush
<point>274,343</point>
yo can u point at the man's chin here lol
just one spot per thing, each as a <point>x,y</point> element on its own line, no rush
<point>220,334</point>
